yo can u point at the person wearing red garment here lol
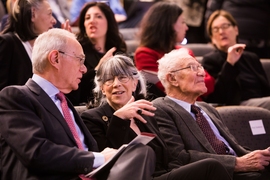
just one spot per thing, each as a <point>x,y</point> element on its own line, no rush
<point>162,28</point>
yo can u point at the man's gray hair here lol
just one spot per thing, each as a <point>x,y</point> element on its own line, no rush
<point>54,39</point>
<point>169,62</point>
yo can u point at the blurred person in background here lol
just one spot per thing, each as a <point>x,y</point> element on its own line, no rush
<point>252,17</point>
<point>162,29</point>
<point>239,75</point>
<point>115,5</point>
<point>9,5</point>
<point>193,11</point>
<point>27,21</point>
<point>60,9</point>
<point>100,37</point>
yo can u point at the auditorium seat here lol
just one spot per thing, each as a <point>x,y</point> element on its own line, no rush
<point>249,125</point>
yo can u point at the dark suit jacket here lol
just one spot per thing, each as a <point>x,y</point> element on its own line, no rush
<point>111,131</point>
<point>15,64</point>
<point>186,142</point>
<point>228,87</point>
<point>36,142</point>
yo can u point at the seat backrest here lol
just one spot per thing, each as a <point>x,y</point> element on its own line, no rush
<point>80,109</point>
<point>200,49</point>
<point>132,45</point>
<point>249,125</point>
<point>266,67</point>
<point>129,33</point>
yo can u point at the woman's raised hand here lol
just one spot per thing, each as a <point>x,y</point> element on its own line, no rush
<point>134,109</point>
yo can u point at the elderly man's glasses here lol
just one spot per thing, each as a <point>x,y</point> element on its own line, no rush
<point>121,78</point>
<point>82,59</point>
<point>223,27</point>
<point>192,67</point>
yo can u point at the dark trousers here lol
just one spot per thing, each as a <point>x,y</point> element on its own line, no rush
<point>207,169</point>
<point>136,162</point>
<point>265,175</point>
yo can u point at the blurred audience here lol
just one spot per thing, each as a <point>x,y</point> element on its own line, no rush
<point>120,87</point>
<point>2,10</point>
<point>135,13</point>
<point>193,11</point>
<point>29,19</point>
<point>240,77</point>
<point>60,9</point>
<point>162,29</point>
<point>252,17</point>
<point>193,130</point>
<point>115,5</point>
<point>4,2</point>
<point>98,35</point>
<point>9,6</point>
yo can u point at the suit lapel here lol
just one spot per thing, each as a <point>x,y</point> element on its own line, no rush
<point>107,113</point>
<point>49,105</point>
<point>149,125</point>
<point>191,124</point>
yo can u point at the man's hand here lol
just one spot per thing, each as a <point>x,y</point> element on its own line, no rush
<point>108,153</point>
<point>253,161</point>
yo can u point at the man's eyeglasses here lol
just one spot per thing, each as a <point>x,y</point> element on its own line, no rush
<point>192,67</point>
<point>223,27</point>
<point>121,78</point>
<point>82,59</point>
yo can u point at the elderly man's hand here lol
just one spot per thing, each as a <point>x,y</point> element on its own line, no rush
<point>253,161</point>
<point>108,153</point>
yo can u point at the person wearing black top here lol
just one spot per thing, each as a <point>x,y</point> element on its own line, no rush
<point>123,113</point>
<point>240,77</point>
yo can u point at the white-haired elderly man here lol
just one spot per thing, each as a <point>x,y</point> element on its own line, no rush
<point>194,130</point>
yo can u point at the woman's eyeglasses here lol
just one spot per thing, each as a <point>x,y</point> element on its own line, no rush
<point>223,27</point>
<point>121,78</point>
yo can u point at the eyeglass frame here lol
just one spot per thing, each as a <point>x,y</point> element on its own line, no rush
<point>81,59</point>
<point>112,80</point>
<point>223,27</point>
<point>192,68</point>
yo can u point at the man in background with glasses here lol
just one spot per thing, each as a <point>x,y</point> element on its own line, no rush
<point>193,130</point>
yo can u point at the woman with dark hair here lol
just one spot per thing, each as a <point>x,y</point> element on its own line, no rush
<point>29,19</point>
<point>122,114</point>
<point>98,34</point>
<point>162,28</point>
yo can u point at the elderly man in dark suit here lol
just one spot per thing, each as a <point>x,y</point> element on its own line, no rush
<point>194,130</point>
<point>42,136</point>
